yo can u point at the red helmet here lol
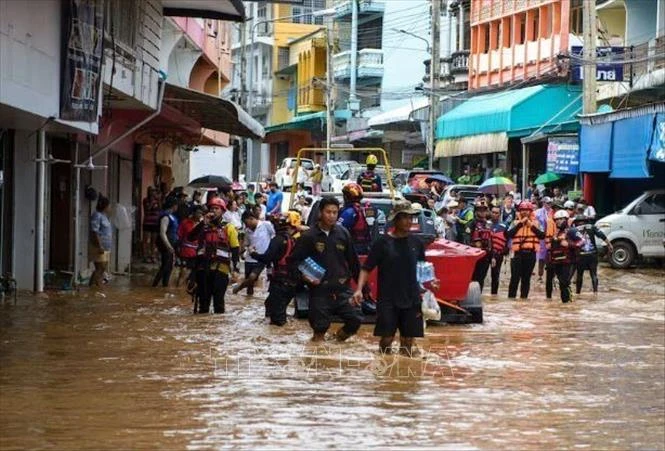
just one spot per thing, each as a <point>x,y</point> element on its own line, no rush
<point>352,192</point>
<point>525,205</point>
<point>217,202</point>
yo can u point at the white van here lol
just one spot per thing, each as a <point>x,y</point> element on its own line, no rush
<point>636,230</point>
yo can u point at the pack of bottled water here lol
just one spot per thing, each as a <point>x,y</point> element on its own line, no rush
<point>425,272</point>
<point>312,271</point>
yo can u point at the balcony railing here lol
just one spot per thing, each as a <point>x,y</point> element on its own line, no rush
<point>343,8</point>
<point>369,63</point>
<point>459,62</point>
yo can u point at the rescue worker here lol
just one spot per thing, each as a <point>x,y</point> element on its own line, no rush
<point>218,251</point>
<point>588,255</point>
<point>464,217</point>
<point>283,281</point>
<point>356,218</point>
<point>187,249</point>
<point>498,230</point>
<point>525,234</point>
<point>565,241</point>
<point>167,241</point>
<point>331,247</point>
<point>481,237</point>
<point>544,215</point>
<point>369,180</point>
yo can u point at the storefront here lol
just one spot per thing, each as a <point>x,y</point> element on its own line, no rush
<point>487,129</point>
<point>622,154</point>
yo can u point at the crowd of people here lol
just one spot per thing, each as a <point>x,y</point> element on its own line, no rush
<point>207,239</point>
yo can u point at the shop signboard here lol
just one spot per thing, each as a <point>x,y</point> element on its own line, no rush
<point>83,45</point>
<point>563,155</point>
<point>606,70</point>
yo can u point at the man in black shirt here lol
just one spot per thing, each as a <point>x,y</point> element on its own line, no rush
<point>396,254</point>
<point>330,246</point>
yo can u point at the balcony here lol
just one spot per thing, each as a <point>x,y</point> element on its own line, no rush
<point>369,63</point>
<point>459,62</point>
<point>365,8</point>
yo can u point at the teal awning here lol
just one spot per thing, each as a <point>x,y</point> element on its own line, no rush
<point>515,113</point>
<point>313,121</point>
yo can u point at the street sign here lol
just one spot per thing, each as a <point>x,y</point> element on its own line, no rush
<point>605,70</point>
<point>563,155</point>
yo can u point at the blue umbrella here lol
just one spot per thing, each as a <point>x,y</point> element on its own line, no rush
<point>439,178</point>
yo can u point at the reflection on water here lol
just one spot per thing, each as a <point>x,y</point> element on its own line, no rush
<point>137,369</point>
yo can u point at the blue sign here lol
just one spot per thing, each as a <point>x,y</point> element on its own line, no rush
<point>606,70</point>
<point>563,155</point>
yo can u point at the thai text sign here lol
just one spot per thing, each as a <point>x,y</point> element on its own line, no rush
<point>606,70</point>
<point>563,155</point>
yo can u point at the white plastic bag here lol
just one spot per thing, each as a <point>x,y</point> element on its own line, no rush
<point>122,217</point>
<point>430,308</point>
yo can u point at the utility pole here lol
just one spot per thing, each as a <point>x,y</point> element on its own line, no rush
<point>589,55</point>
<point>243,100</point>
<point>434,72</point>
<point>589,82</point>
<point>330,102</point>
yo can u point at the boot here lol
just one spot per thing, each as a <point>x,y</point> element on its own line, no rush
<point>386,345</point>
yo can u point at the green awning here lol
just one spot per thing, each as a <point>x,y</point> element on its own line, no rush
<point>313,121</point>
<point>516,113</point>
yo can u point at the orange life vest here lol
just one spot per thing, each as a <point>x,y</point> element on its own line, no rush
<point>525,240</point>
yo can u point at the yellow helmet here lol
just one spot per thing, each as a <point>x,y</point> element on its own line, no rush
<point>293,218</point>
<point>371,159</point>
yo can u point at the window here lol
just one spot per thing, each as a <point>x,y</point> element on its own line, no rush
<point>652,205</point>
<point>576,20</point>
<point>305,12</point>
<point>506,32</point>
<point>122,20</point>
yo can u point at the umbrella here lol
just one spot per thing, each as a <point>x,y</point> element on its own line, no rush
<point>209,181</point>
<point>499,186</point>
<point>546,178</point>
<point>439,178</point>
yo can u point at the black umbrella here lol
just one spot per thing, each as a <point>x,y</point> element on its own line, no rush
<point>211,181</point>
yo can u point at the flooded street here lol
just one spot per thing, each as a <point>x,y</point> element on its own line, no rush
<point>137,370</point>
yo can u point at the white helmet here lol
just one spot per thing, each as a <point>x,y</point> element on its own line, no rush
<point>561,214</point>
<point>569,204</point>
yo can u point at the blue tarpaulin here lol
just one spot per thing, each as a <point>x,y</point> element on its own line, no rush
<point>657,151</point>
<point>595,147</point>
<point>631,139</point>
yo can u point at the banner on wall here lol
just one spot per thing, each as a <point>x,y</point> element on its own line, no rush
<point>563,155</point>
<point>82,55</point>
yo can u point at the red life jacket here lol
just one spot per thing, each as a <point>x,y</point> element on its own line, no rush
<point>481,237</point>
<point>214,244</point>
<point>558,254</point>
<point>499,242</point>
<point>281,268</point>
<point>360,230</point>
<point>187,248</point>
<point>368,181</point>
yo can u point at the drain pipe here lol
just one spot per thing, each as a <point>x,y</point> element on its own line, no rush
<point>160,101</point>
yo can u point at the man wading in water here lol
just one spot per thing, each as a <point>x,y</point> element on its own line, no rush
<point>399,305</point>
<point>330,246</point>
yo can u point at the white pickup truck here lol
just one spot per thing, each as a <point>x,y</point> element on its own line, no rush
<point>636,230</point>
<point>284,175</point>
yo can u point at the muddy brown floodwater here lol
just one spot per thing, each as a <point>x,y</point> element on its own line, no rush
<point>137,370</point>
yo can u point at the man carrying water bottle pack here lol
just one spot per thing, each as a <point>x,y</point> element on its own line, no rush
<point>330,246</point>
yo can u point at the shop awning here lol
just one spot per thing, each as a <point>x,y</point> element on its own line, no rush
<point>492,118</point>
<point>313,121</point>
<point>595,147</point>
<point>212,112</point>
<point>231,10</point>
<point>631,139</point>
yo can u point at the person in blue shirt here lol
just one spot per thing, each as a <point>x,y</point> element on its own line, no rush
<point>356,218</point>
<point>101,239</point>
<point>275,197</point>
<point>167,241</point>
